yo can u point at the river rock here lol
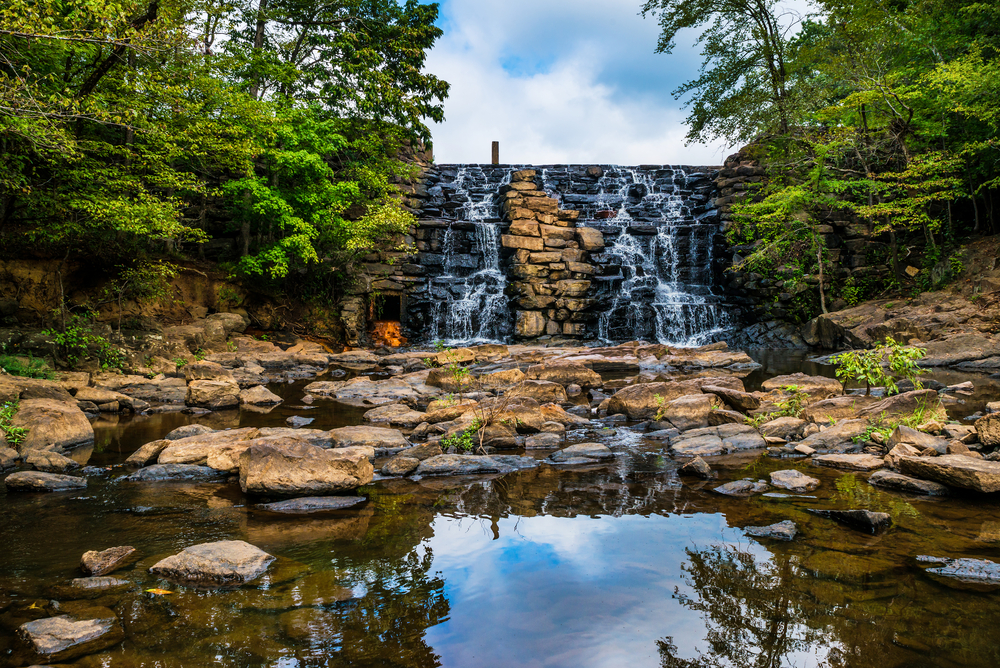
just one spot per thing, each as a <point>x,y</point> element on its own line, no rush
<point>459,465</point>
<point>106,561</point>
<point>400,465</point>
<point>187,431</point>
<point>710,441</point>
<point>205,370</point>
<point>838,436</point>
<point>394,415</point>
<point>741,401</point>
<point>697,468</point>
<point>642,401</point>
<point>66,637</point>
<point>8,458</point>
<point>794,481</point>
<point>901,450</point>
<point>297,421</point>
<point>902,405</point>
<point>197,449</point>
<point>445,411</point>
<point>226,562</point>
<point>312,504</point>
<point>817,387</point>
<point>988,430</point>
<point>690,412</point>
<point>291,466</point>
<point>837,408</point>
<point>966,570</point>
<point>722,416</point>
<point>543,441</point>
<point>588,452</point>
<point>742,488</point>
<point>786,531</point>
<point>862,520</point>
<point>555,413</point>
<point>566,374</point>
<point>147,454</point>
<point>961,432</point>
<point>52,425</point>
<point>37,481</point>
<point>259,396</point>
<point>901,483</point>
<point>542,391</point>
<point>849,462</point>
<point>174,473</point>
<point>788,428</point>
<point>50,462</point>
<point>380,438</point>
<point>955,471</point>
<point>918,439</point>
<point>213,394</point>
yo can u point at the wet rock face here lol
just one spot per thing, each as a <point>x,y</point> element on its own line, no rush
<point>974,571</point>
<point>742,488</point>
<point>226,562</point>
<point>954,471</point>
<point>106,561</point>
<point>37,481</point>
<point>62,638</point>
<point>697,468</point>
<point>901,483</point>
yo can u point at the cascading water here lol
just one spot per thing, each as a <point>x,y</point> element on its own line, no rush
<point>658,291</point>
<point>474,308</point>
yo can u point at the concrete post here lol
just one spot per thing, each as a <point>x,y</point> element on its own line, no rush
<point>496,153</point>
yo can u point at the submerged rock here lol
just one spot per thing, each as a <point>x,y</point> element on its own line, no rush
<point>587,451</point>
<point>106,561</point>
<point>37,481</point>
<point>742,488</point>
<point>901,483</point>
<point>697,468</point>
<point>966,570</point>
<point>62,638</point>
<point>175,472</point>
<point>226,562</point>
<point>862,520</point>
<point>849,462</point>
<point>312,504</point>
<point>794,481</point>
<point>786,530</point>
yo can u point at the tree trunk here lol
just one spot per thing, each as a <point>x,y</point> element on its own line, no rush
<point>258,44</point>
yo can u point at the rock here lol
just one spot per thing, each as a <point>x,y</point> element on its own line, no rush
<point>849,462</point>
<point>955,471</point>
<point>8,458</point>
<point>174,473</point>
<point>788,428</point>
<point>741,401</point>
<point>689,412</point>
<point>988,430</point>
<point>36,481</point>
<point>473,464</point>
<point>213,394</point>
<point>973,571</point>
<point>198,449</point>
<point>721,416</point>
<point>226,562</point>
<point>587,451</point>
<point>446,411</point>
<point>400,465</point>
<point>794,481</point>
<point>66,637</point>
<point>841,434</point>
<point>542,391</point>
<point>786,530</point>
<point>590,239</point>
<point>907,403</point>
<point>297,421</point>
<point>311,504</point>
<point>817,387</point>
<point>917,439</point>
<point>961,432</point>
<point>642,401</point>
<point>555,413</point>
<point>566,374</point>
<point>836,408</point>
<point>901,483</point>
<point>697,468</point>
<point>291,466</point>
<point>901,450</point>
<point>395,415</point>
<point>148,453</point>
<point>529,324</point>
<point>380,438</point>
<point>710,441</point>
<point>742,488</point>
<point>862,520</point>
<point>187,431</point>
<point>543,441</point>
<point>259,396</point>
<point>205,370</point>
<point>52,425</point>
<point>106,561</point>
<point>50,462</point>
<point>804,450</point>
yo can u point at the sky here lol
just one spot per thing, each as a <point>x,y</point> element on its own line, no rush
<point>562,81</point>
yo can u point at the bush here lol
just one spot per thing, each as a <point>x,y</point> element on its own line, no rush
<point>869,366</point>
<point>29,367</point>
<point>14,435</point>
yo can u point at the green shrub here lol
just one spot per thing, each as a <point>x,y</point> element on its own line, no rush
<point>869,366</point>
<point>29,367</point>
<point>14,435</point>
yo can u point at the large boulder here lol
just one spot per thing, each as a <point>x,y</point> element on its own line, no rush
<point>205,370</point>
<point>213,394</point>
<point>741,401</point>
<point>641,401</point>
<point>259,396</point>
<point>542,391</point>
<point>197,449</point>
<point>66,637</point>
<point>292,467</point>
<point>52,425</point>
<point>226,562</point>
<point>37,481</point>
<point>836,408</point>
<point>817,387</point>
<point>955,471</point>
<point>395,415</point>
<point>566,374</point>
<point>106,561</point>
<point>690,412</point>
<point>907,403</point>
<point>786,428</point>
<point>380,438</point>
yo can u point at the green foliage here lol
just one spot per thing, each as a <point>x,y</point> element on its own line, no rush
<point>464,440</point>
<point>790,405</point>
<point>77,341</point>
<point>180,362</point>
<point>14,435</point>
<point>28,367</point>
<point>143,281</point>
<point>881,366</point>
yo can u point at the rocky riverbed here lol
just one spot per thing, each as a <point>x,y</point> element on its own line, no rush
<point>286,455</point>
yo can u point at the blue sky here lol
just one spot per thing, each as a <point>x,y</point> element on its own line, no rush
<point>562,81</point>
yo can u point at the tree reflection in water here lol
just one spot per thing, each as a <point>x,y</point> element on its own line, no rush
<point>752,610</point>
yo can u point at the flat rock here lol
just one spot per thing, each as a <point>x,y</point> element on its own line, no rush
<point>543,441</point>
<point>106,561</point>
<point>468,465</point>
<point>226,562</point>
<point>291,466</point>
<point>148,453</point>
<point>955,471</point>
<point>786,531</point>
<point>50,462</point>
<point>741,401</point>
<point>66,637</point>
<point>395,415</point>
<point>742,488</point>
<point>849,462</point>
<point>641,401</point>
<point>918,439</point>
<point>837,408</point>
<point>590,451</point>
<point>38,481</point>
<point>174,472</point>
<point>187,431</point>
<point>400,465</point>
<point>901,483</point>
<point>259,396</point>
<point>794,481</point>
<point>697,468</point>
<point>967,570</point>
<point>312,504</point>
<point>380,438</point>
<point>817,387</point>
<point>862,520</point>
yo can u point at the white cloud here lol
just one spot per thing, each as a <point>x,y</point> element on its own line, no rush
<point>560,81</point>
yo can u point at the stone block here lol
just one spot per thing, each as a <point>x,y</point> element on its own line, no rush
<point>552,231</point>
<point>546,257</point>
<point>527,271</point>
<point>527,243</point>
<point>572,288</point>
<point>556,243</point>
<point>574,329</point>
<point>524,228</point>
<point>523,185</point>
<point>523,175</point>
<point>580,268</point>
<point>529,324</point>
<point>590,239</point>
<point>572,255</point>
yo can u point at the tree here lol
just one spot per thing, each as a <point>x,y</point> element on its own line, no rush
<point>743,84</point>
